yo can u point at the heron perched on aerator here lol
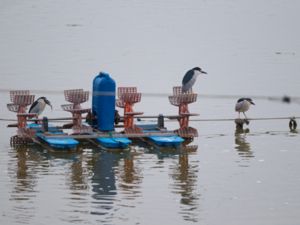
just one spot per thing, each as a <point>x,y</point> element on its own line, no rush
<point>39,105</point>
<point>243,105</point>
<point>190,77</point>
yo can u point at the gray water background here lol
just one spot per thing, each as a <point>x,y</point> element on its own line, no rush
<point>248,48</point>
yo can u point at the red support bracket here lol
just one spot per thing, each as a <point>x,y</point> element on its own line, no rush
<point>21,99</point>
<point>127,97</point>
<point>182,100</point>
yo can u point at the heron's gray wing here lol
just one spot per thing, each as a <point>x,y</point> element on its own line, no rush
<point>187,77</point>
<point>33,105</point>
<point>241,99</point>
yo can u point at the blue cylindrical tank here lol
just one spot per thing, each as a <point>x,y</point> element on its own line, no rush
<point>103,101</point>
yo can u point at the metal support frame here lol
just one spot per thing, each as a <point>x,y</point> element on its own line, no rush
<point>20,100</point>
<point>182,100</point>
<point>127,97</point>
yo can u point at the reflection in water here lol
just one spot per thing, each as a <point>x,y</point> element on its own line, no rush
<point>92,182</point>
<point>294,132</point>
<point>104,185</point>
<point>23,171</point>
<point>101,172</point>
<point>115,177</point>
<point>74,168</point>
<point>185,180</point>
<point>24,176</point>
<point>78,176</point>
<point>242,146</point>
<point>130,177</point>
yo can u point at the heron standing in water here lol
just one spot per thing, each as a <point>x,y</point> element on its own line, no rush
<point>243,105</point>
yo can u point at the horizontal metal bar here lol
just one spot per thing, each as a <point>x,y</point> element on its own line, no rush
<point>113,135</point>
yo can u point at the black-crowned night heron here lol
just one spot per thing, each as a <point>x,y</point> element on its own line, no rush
<point>242,105</point>
<point>190,78</point>
<point>39,105</point>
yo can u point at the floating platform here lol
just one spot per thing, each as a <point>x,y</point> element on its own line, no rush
<point>57,139</point>
<point>100,130</point>
<point>67,142</point>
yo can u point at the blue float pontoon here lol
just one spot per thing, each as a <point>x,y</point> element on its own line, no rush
<point>59,143</point>
<point>166,141</point>
<point>109,142</point>
<point>163,141</point>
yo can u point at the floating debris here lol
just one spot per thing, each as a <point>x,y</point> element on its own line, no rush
<point>293,124</point>
<point>73,25</point>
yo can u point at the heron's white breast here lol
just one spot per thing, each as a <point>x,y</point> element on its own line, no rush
<point>242,106</point>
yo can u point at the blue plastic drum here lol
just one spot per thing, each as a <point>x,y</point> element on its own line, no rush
<point>103,101</point>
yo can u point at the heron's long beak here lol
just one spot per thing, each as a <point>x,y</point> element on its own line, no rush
<point>48,103</point>
<point>203,72</point>
<point>252,103</point>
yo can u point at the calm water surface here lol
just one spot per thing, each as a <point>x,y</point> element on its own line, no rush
<point>248,48</point>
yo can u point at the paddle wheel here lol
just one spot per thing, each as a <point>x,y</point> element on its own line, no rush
<point>127,97</point>
<point>182,100</point>
<point>77,97</point>
<point>20,100</point>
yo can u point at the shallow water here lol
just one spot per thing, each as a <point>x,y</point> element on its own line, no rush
<point>247,48</point>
